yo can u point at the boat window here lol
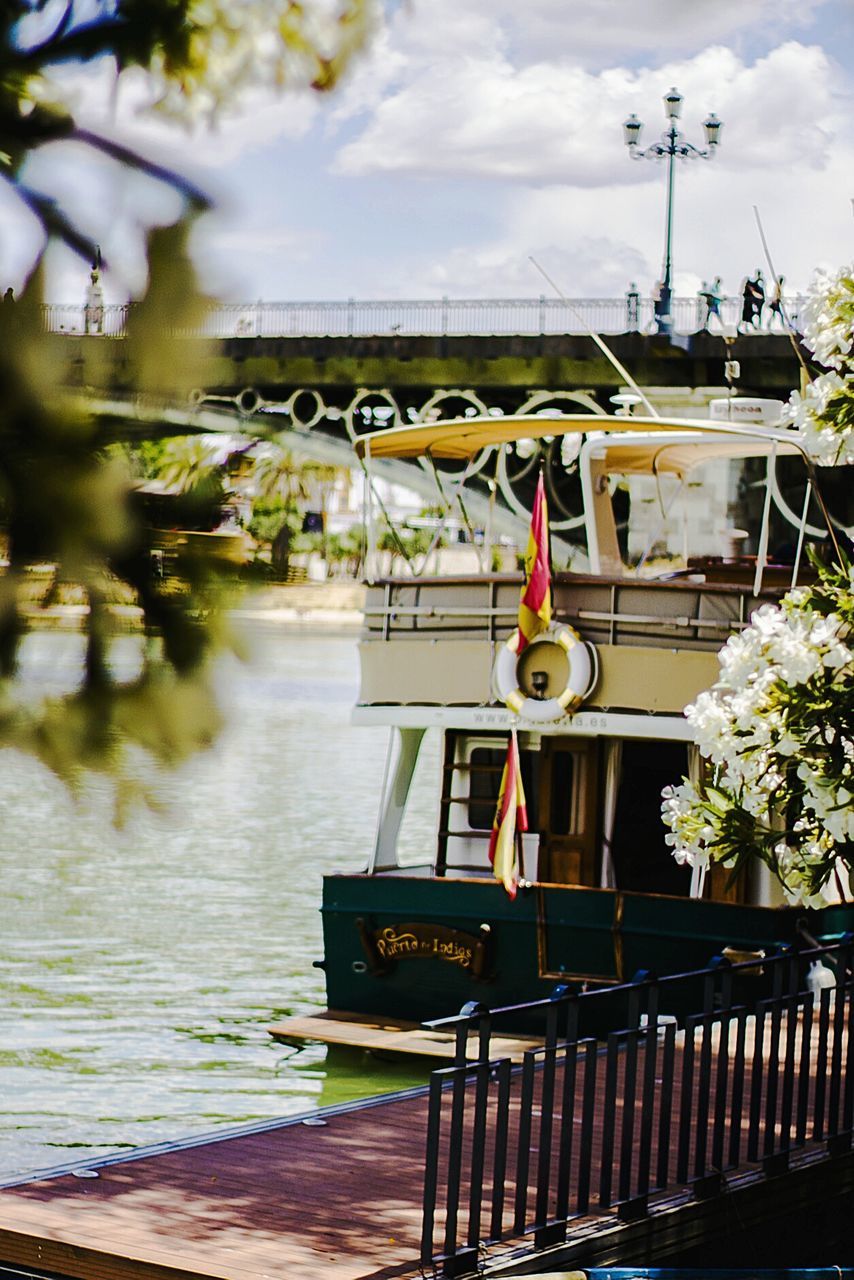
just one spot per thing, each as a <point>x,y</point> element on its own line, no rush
<point>485,768</point>
<point>563,818</point>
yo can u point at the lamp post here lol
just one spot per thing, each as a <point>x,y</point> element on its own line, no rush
<point>672,144</point>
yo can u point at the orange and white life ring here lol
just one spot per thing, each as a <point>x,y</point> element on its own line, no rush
<point>581,678</point>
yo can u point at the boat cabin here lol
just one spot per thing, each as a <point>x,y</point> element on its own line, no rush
<point>593,780</point>
<point>634,642</point>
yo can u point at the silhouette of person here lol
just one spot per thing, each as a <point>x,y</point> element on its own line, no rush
<point>8,318</point>
<point>775,304</point>
<point>746,305</point>
<point>758,297</point>
<point>712,296</point>
<point>93,310</point>
<point>632,307</point>
<point>752,301</point>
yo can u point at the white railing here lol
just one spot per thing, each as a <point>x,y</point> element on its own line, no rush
<point>430,317</point>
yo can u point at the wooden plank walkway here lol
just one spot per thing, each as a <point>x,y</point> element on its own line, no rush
<point>390,1037</point>
<point>340,1199</point>
<point>292,1199</point>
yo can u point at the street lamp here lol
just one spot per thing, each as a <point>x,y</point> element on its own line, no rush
<point>672,144</point>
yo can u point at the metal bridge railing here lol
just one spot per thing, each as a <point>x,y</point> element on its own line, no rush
<point>658,1086</point>
<point>430,317</point>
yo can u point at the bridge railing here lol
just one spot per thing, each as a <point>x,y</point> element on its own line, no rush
<point>428,317</point>
<point>656,1087</point>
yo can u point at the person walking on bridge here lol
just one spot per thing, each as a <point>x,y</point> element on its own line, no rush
<point>712,296</point>
<point>775,305</point>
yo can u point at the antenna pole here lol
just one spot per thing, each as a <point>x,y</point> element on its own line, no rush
<point>603,347</point>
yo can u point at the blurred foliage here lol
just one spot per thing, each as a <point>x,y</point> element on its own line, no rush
<point>270,515</point>
<point>345,551</point>
<point>412,543</point>
<point>66,499</point>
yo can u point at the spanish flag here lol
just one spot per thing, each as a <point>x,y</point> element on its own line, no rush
<point>511,817</point>
<point>535,606</point>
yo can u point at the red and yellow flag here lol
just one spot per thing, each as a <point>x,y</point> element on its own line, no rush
<point>535,606</point>
<point>511,817</point>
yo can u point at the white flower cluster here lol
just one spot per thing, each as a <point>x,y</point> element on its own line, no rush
<point>829,442</point>
<point>827,318</point>
<point>752,725</point>
<point>825,412</point>
<point>690,830</point>
<point>239,50</point>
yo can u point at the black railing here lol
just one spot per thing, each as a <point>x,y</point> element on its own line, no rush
<point>636,1092</point>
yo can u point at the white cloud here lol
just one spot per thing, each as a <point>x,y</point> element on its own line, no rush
<point>474,135</point>
<point>20,239</point>
<point>594,266</point>
<point>122,110</point>
<point>232,261</point>
<point>554,122</point>
<point>594,241</point>
<point>115,206</point>
<point>614,30</point>
<point>592,31</point>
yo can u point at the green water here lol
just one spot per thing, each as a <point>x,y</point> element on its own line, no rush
<point>139,969</point>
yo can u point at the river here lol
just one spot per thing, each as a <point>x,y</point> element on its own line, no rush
<point>139,968</point>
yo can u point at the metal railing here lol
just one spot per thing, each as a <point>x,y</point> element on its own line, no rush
<point>655,1087</point>
<point>429,317</point>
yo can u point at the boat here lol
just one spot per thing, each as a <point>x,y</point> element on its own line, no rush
<point>597,704</point>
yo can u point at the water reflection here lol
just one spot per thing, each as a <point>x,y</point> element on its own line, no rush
<point>140,968</point>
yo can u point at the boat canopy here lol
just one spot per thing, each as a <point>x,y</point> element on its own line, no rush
<point>640,455</point>
<point>462,438</point>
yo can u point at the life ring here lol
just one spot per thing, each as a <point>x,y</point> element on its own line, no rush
<point>582,675</point>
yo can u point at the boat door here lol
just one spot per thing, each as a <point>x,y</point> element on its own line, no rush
<point>567,811</point>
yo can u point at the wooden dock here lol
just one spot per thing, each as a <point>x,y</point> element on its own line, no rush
<point>388,1037</point>
<point>336,1195</point>
<point>332,1195</point>
<point>598,1152</point>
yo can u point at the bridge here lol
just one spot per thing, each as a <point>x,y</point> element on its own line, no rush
<point>319,374</point>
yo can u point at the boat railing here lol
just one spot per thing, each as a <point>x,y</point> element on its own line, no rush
<point>683,612</point>
<point>638,1095</point>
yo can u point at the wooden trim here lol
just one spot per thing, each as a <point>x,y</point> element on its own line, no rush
<point>581,841</point>
<point>561,975</point>
<point>571,579</point>
<point>617,931</point>
<point>448,751</point>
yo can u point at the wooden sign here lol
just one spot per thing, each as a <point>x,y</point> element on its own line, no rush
<point>420,941</point>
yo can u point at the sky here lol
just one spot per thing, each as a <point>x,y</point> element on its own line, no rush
<point>473,135</point>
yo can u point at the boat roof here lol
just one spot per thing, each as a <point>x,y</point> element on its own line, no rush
<point>462,438</point>
<point>680,454</point>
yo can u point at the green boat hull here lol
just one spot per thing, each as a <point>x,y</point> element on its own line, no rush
<point>416,949</point>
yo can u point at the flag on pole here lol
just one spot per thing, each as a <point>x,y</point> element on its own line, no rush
<point>511,819</point>
<point>535,606</point>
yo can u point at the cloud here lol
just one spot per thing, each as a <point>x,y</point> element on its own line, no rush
<point>228,258</point>
<point>555,122</point>
<point>594,266</point>
<point>474,135</point>
<point>588,32</point>
<point>20,239</point>
<point>114,205</point>
<point>594,241</point>
<point>612,30</point>
<point>123,110</point>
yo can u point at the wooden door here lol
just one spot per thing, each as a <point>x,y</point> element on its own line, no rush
<point>568,816</point>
